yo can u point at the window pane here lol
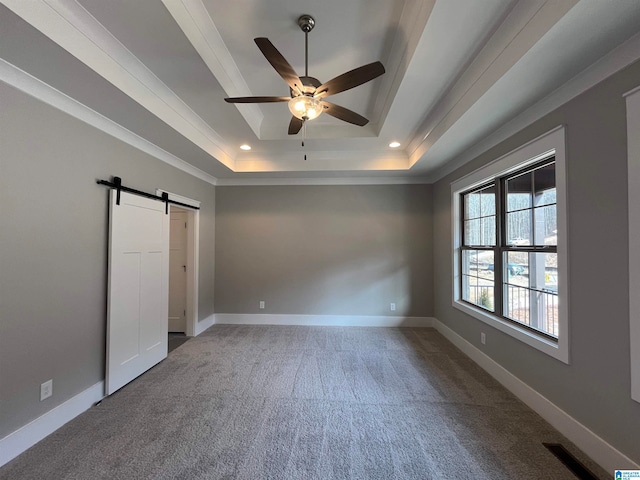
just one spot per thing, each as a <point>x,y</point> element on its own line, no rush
<point>516,303</point>
<point>471,205</point>
<point>517,268</point>
<point>477,278</point>
<point>488,231</point>
<point>485,296</point>
<point>469,261</point>
<point>543,271</point>
<point>530,290</point>
<point>469,272</point>
<point>485,264</point>
<point>478,263</point>
<point>472,232</point>
<point>519,192</point>
<point>545,185</point>
<point>519,228</point>
<point>488,201</point>
<point>546,225</point>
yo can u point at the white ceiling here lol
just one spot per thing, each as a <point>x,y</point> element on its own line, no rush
<point>456,71</point>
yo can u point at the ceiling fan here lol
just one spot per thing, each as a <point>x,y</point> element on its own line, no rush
<point>307,94</point>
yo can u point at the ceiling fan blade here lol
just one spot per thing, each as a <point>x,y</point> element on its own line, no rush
<point>295,125</point>
<point>278,62</point>
<point>344,114</point>
<point>256,99</point>
<point>351,79</point>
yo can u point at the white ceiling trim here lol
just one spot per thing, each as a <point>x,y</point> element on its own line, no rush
<point>413,20</point>
<point>318,161</point>
<point>439,60</point>
<point>247,182</point>
<point>26,83</point>
<point>613,62</point>
<point>198,26</point>
<point>96,47</point>
<point>525,25</point>
<point>270,131</point>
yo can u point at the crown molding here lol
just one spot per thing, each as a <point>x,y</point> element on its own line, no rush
<point>619,58</point>
<point>74,29</point>
<point>26,83</point>
<point>254,182</point>
<point>198,26</point>
<point>523,26</point>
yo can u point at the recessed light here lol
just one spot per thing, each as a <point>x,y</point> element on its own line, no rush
<point>394,144</point>
<point>245,147</point>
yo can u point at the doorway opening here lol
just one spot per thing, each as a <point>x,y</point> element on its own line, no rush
<point>183,266</point>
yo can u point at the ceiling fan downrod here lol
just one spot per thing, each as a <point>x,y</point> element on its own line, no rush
<point>306,24</point>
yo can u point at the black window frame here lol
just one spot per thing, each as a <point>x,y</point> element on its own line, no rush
<point>501,248</point>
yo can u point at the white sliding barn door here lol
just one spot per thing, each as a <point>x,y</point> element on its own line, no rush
<point>138,288</point>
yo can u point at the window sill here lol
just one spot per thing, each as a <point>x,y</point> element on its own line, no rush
<point>539,342</point>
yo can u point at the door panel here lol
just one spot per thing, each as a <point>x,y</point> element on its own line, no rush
<point>151,331</point>
<point>126,287</point>
<point>138,288</point>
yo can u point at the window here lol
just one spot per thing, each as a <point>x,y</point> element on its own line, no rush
<point>509,244</point>
<point>512,223</point>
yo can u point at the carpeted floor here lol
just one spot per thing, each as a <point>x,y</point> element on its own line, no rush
<point>175,340</point>
<point>274,402</point>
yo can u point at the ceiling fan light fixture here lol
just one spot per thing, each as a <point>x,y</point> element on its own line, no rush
<point>307,94</point>
<point>305,107</point>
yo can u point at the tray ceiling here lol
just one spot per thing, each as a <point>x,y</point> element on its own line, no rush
<point>456,71</point>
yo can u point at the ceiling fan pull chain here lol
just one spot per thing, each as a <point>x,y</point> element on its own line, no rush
<point>304,134</point>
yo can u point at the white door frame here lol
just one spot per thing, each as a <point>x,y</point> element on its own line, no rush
<point>178,217</point>
<point>193,253</point>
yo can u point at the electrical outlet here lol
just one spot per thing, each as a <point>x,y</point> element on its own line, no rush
<point>392,307</point>
<point>46,389</point>
<point>483,338</point>
<point>261,304</point>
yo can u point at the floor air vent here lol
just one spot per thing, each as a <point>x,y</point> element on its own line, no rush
<point>570,461</point>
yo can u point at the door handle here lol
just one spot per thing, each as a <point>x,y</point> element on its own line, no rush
<point>184,267</point>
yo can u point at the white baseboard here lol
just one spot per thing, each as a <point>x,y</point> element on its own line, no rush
<point>595,447</point>
<point>590,443</point>
<point>322,320</point>
<point>25,437</point>
<point>202,325</point>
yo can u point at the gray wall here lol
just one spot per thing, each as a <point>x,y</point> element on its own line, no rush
<point>53,249</point>
<point>595,387</point>
<point>334,250</point>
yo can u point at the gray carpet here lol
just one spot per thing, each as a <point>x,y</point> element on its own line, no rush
<point>175,340</point>
<point>256,402</point>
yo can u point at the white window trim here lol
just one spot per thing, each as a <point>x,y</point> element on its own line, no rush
<point>633,162</point>
<point>551,143</point>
